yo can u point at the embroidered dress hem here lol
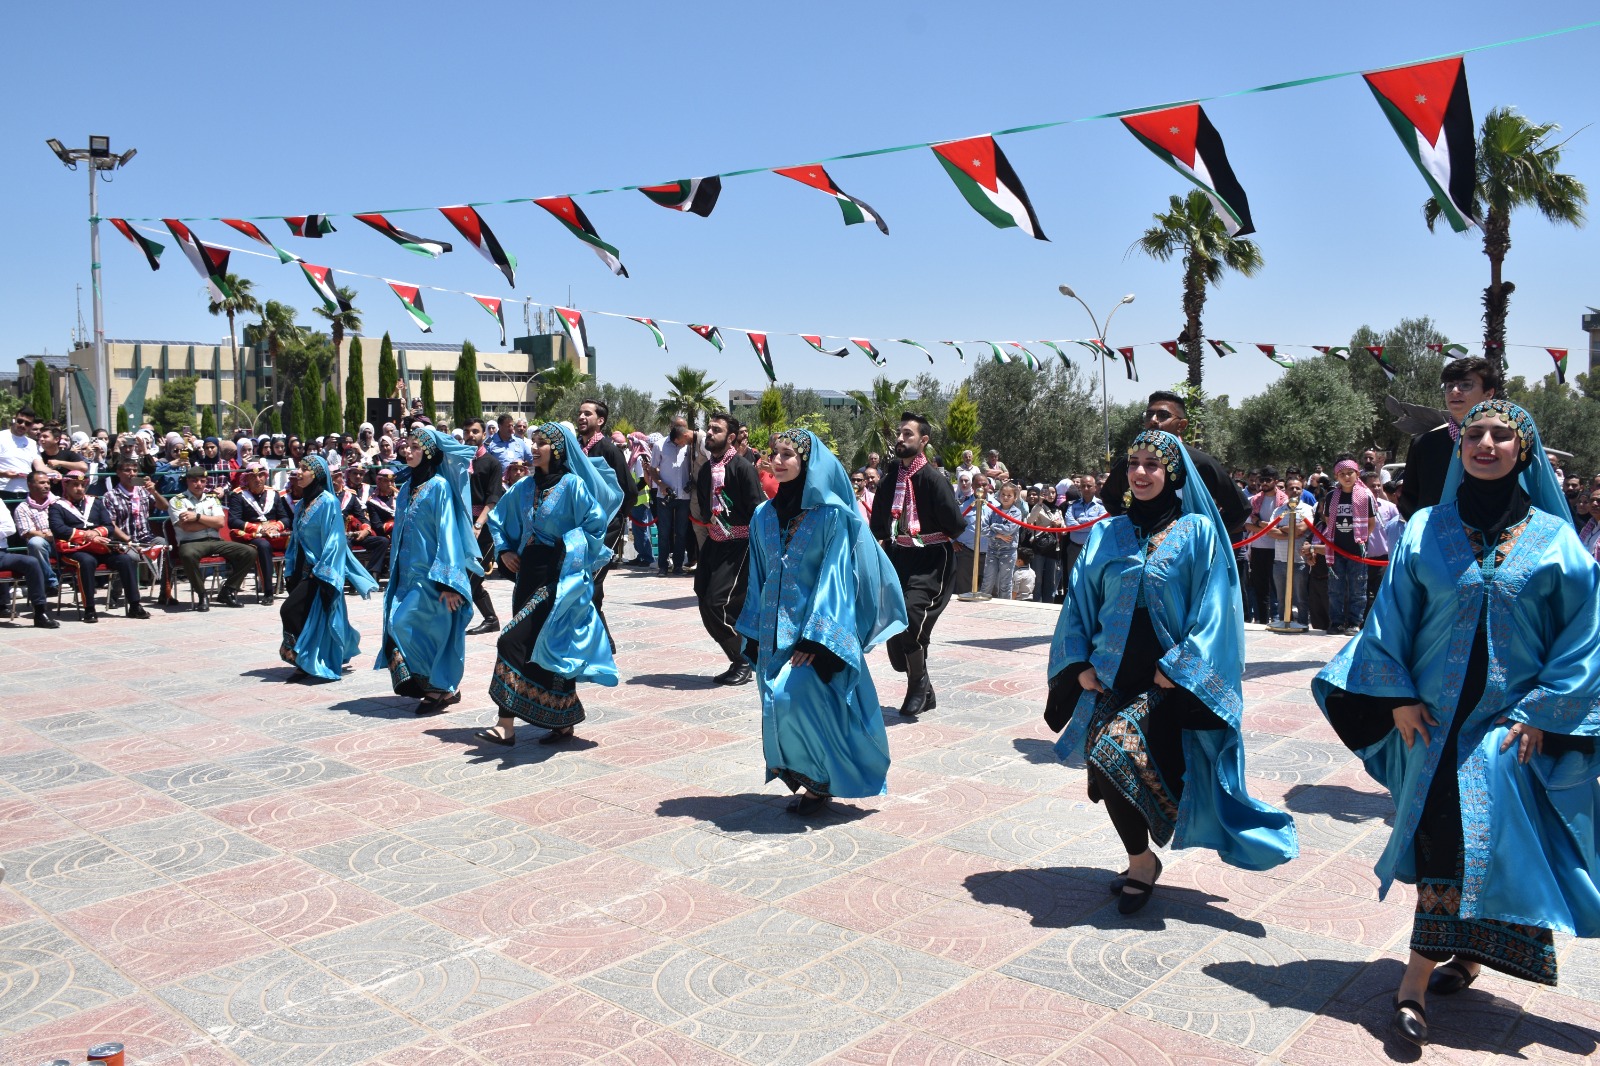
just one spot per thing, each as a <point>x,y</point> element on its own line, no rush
<point>536,696</point>
<point>796,781</point>
<point>1117,748</point>
<point>1439,933</point>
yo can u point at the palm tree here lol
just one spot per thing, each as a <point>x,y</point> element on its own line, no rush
<point>240,303</point>
<point>1516,168</point>
<point>880,410</point>
<point>276,331</point>
<point>1190,226</point>
<point>347,316</point>
<point>689,394</point>
<point>560,386</point>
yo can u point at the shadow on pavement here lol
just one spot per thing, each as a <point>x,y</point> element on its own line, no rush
<point>674,682</point>
<point>525,752</point>
<point>754,812</point>
<point>1006,643</point>
<point>1065,897</point>
<point>1340,802</point>
<point>1267,668</point>
<point>1036,750</point>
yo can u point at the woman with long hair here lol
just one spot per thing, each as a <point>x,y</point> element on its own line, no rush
<point>434,551</point>
<point>1470,693</point>
<point>822,594</point>
<point>549,530</point>
<point>1145,676</point>
<point>318,638</point>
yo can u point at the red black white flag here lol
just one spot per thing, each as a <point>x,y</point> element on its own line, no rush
<point>758,341</point>
<point>854,210</point>
<point>210,261</point>
<point>695,195</point>
<point>309,225</point>
<point>1187,141</point>
<point>409,241</point>
<point>1428,107</point>
<point>152,251</point>
<point>571,215</point>
<point>471,225</point>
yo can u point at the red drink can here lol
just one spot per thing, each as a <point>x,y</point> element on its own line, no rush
<point>107,1054</point>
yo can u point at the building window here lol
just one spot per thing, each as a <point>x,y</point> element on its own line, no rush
<point>126,373</point>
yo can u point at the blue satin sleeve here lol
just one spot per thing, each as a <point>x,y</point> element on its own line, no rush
<point>748,624</point>
<point>1205,624</point>
<point>1079,620</point>
<point>505,521</point>
<point>1377,661</point>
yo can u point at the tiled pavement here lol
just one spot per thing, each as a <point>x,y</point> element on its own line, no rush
<point>214,866</point>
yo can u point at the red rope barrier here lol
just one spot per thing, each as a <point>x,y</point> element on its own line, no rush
<point>1270,527</point>
<point>1339,551</point>
<point>1042,529</point>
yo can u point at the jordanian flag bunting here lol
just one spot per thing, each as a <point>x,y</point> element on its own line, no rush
<point>1271,352</point>
<point>1127,361</point>
<point>321,281</point>
<point>1222,348</point>
<point>871,352</point>
<point>411,296</point>
<point>309,225</point>
<point>409,241</point>
<point>1027,356</point>
<point>655,330</point>
<point>1560,356</point>
<point>999,355</point>
<point>854,210</point>
<point>1173,350</point>
<point>210,261</point>
<point>471,225</point>
<point>984,175</point>
<point>709,333</point>
<point>1187,141</point>
<point>1376,351</point>
<point>917,346</point>
<point>959,353</point>
<point>1055,348</point>
<point>572,322</point>
<point>1454,351</point>
<point>152,251</point>
<point>571,215</point>
<point>758,341</point>
<point>496,308</point>
<point>1336,350</point>
<point>695,195</point>
<point>1098,348</point>
<point>815,340</point>
<point>1428,107</point>
<point>253,231</point>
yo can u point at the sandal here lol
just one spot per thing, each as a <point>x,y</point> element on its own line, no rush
<point>557,736</point>
<point>1133,902</point>
<point>808,804</point>
<point>435,704</point>
<point>1414,1029</point>
<point>1117,882</point>
<point>495,738</point>
<point>1451,977</point>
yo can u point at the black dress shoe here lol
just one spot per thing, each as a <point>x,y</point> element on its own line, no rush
<point>1450,978</point>
<point>1133,902</point>
<point>267,599</point>
<point>229,598</point>
<point>90,618</point>
<point>203,603</point>
<point>1411,1026</point>
<point>915,703</point>
<point>735,674</point>
<point>1117,882</point>
<point>488,625</point>
<point>134,611</point>
<point>42,619</point>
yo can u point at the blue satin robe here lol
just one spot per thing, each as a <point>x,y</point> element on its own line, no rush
<point>828,734</point>
<point>573,641</point>
<point>1528,831</point>
<point>431,638</point>
<point>328,640</point>
<point>1197,617</point>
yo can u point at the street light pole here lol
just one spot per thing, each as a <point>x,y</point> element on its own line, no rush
<point>527,386</point>
<point>1105,407</point>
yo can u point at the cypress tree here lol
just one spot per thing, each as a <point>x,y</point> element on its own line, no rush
<point>388,370</point>
<point>355,390</point>
<point>122,419</point>
<point>468,398</point>
<point>311,404</point>
<point>41,401</point>
<point>428,407</point>
<point>208,423</point>
<point>332,417</point>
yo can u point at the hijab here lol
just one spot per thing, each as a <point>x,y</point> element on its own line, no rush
<point>790,500</point>
<point>1150,517</point>
<point>546,479</point>
<point>1492,506</point>
<point>320,482</point>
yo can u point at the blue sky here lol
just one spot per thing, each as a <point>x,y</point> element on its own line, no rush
<point>290,108</point>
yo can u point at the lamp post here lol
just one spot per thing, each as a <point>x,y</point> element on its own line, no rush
<point>99,157</point>
<point>527,386</point>
<point>259,414</point>
<point>1105,410</point>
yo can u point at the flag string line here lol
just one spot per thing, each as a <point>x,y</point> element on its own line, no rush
<point>735,329</point>
<point>1011,131</point>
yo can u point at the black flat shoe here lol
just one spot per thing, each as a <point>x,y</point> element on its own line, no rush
<point>432,705</point>
<point>807,805</point>
<point>557,736</point>
<point>1117,882</point>
<point>495,738</point>
<point>1409,1027</point>
<point>1450,978</point>
<point>1133,902</point>
<point>136,611</point>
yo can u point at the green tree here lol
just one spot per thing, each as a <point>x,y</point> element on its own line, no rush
<point>429,408</point>
<point>880,412</point>
<point>332,417</point>
<point>344,318</point>
<point>355,390</point>
<point>388,370</point>
<point>560,389</point>
<point>311,403</point>
<point>43,404</point>
<point>268,421</point>
<point>468,399</point>
<point>1045,423</point>
<point>1191,228</point>
<point>770,416</point>
<point>174,407</point>
<point>281,337</point>
<point>689,393</point>
<point>961,427</point>
<point>629,405</point>
<point>1307,416</point>
<point>1568,418</point>
<point>122,419</point>
<point>1517,167</point>
<point>208,423</point>
<point>1416,376</point>
<point>242,302</point>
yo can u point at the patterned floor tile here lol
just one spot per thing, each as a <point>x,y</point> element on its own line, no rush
<point>45,975</point>
<point>205,784</point>
<point>881,978</point>
<point>147,1029</point>
<point>894,1045</point>
<point>565,1026</point>
<point>187,845</point>
<point>290,821</point>
<point>862,903</point>
<point>495,843</point>
<point>397,868</point>
<point>777,1024</point>
<point>1010,1020</point>
<point>772,941</point>
<point>671,983</point>
<point>975,936</point>
<point>74,872</point>
<point>45,768</point>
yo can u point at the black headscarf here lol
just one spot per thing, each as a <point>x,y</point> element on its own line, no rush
<point>1150,517</point>
<point>429,465</point>
<point>787,503</point>
<point>1493,506</point>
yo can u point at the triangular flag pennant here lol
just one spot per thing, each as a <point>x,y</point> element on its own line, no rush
<point>1560,356</point>
<point>309,225</point>
<point>1173,350</point>
<point>959,353</point>
<point>1184,137</point>
<point>321,281</point>
<point>695,195</point>
<point>471,225</point>
<point>1428,107</point>
<point>999,355</point>
<point>409,241</point>
<point>1222,348</point>
<point>152,251</point>
<point>758,341</point>
<point>709,333</point>
<point>815,340</point>
<point>1097,348</point>
<point>871,352</point>
<point>572,322</point>
<point>253,231</point>
<point>411,296</point>
<point>1271,352</point>
<point>1376,351</point>
<point>1027,356</point>
<point>1057,349</point>
<point>854,210</point>
<point>1335,350</point>
<point>1127,361</point>
<point>655,330</point>
<point>1453,351</point>
<point>984,175</point>
<point>571,215</point>
<point>209,261</point>
<point>917,346</point>
<point>496,308</point>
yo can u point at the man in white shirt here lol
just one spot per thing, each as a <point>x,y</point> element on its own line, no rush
<point>968,469</point>
<point>19,455</point>
<point>669,472</point>
<point>1279,535</point>
<point>198,519</point>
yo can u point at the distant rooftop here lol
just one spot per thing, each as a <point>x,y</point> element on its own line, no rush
<point>55,362</point>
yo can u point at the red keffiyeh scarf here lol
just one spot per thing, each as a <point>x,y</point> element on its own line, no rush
<point>905,500</point>
<point>1360,499</point>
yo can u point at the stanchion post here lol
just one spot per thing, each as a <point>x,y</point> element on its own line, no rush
<point>1287,624</point>
<point>977,554</point>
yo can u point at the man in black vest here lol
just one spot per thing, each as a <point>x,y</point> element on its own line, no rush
<point>915,517</point>
<point>261,518</point>
<point>1167,411</point>
<point>729,490</point>
<point>593,414</point>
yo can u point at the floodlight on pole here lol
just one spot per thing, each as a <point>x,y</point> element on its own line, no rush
<point>1105,407</point>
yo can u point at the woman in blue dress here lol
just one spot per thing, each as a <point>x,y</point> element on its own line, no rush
<point>318,638</point>
<point>1470,694</point>
<point>1145,673</point>
<point>549,530</point>
<point>428,604</point>
<point>822,594</point>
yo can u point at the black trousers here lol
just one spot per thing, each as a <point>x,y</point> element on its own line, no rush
<point>373,552</point>
<point>720,582</point>
<point>480,597</point>
<point>927,578</point>
<point>1261,587</point>
<point>264,563</point>
<point>123,565</point>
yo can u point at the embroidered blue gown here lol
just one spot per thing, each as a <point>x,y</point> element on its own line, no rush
<point>317,634</point>
<point>822,584</point>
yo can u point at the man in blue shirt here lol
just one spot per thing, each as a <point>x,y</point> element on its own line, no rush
<point>507,446</point>
<point>1086,508</point>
